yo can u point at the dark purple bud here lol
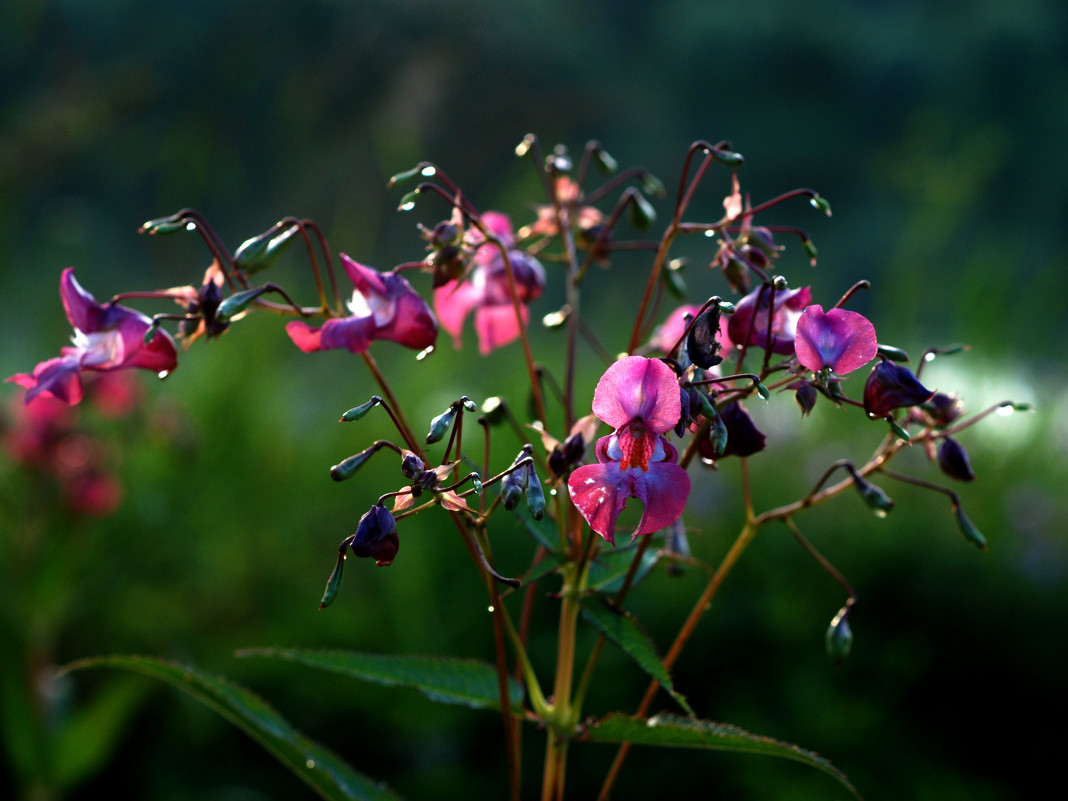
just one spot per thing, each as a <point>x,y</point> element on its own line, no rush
<point>567,456</point>
<point>953,460</point>
<point>943,409</point>
<point>743,438</point>
<point>376,536</point>
<point>805,394</point>
<point>891,386</point>
<point>412,466</point>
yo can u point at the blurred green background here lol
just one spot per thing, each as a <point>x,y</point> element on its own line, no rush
<point>936,129</point>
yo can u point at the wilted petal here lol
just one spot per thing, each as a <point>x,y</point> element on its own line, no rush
<point>840,339</point>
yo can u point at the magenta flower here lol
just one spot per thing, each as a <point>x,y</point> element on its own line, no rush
<point>383,306</point>
<point>839,339</point>
<point>486,293</point>
<point>639,397</point>
<point>749,324</point>
<point>106,337</point>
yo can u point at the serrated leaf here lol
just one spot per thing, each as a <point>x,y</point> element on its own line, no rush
<point>625,632</point>
<point>467,682</point>
<point>678,732</point>
<point>321,769</point>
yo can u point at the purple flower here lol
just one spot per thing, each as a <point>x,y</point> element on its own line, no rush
<point>639,397</point>
<point>891,386</point>
<point>486,290</point>
<point>376,536</point>
<point>839,339</point>
<point>749,324</point>
<point>383,306</point>
<point>106,337</point>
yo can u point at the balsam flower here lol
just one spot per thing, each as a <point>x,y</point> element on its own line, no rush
<point>486,292</point>
<point>839,339</point>
<point>106,337</point>
<point>383,306</point>
<point>639,397</point>
<point>749,324</point>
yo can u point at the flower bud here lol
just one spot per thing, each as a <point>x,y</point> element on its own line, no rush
<point>728,157</point>
<point>642,214</point>
<point>357,412</point>
<point>873,495</point>
<point>742,436</point>
<point>512,489</point>
<point>805,394</point>
<point>891,386</point>
<point>968,529</point>
<point>534,495</point>
<point>166,225</point>
<point>376,536</point>
<point>953,460</point>
<point>347,468</point>
<point>440,425</point>
<point>333,584</point>
<point>238,302</point>
<point>258,252</point>
<point>839,639</point>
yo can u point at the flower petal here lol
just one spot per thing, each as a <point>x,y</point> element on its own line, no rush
<point>840,339</point>
<point>452,303</point>
<point>497,326</point>
<point>637,387</point>
<point>600,492</point>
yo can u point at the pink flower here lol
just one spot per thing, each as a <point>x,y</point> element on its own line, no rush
<point>486,290</point>
<point>749,323</point>
<point>106,337</point>
<point>383,306</point>
<point>839,339</point>
<point>639,397</point>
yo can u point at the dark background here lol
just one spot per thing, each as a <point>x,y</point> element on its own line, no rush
<point>935,129</point>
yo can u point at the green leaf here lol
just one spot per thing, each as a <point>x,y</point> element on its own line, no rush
<point>449,681</point>
<point>676,732</point>
<point>543,531</point>
<point>610,566</point>
<point>321,769</point>
<point>88,739</point>
<point>623,630</point>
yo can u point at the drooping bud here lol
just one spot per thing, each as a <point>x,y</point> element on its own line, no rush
<point>642,214</point>
<point>333,584</point>
<point>891,386</point>
<point>440,425</point>
<point>347,468</point>
<point>805,394</point>
<point>839,639</point>
<point>412,466</point>
<point>166,225</point>
<point>357,412</point>
<point>878,501</point>
<point>512,489</point>
<point>728,157</point>
<point>534,495</point>
<point>968,529</point>
<point>743,437</point>
<point>953,460</point>
<point>892,353</point>
<point>238,302</point>
<point>260,251</point>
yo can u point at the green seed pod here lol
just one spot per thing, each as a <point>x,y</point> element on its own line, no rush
<point>839,639</point>
<point>357,412</point>
<point>440,425</point>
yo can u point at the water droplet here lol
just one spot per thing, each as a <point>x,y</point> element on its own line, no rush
<point>928,357</point>
<point>164,373</point>
<point>310,764</point>
<point>190,226</point>
<point>552,491</point>
<point>490,608</point>
<point>710,233</point>
<point>429,170</point>
<point>880,512</point>
<point>1005,410</point>
<point>424,353</point>
<point>407,206</point>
